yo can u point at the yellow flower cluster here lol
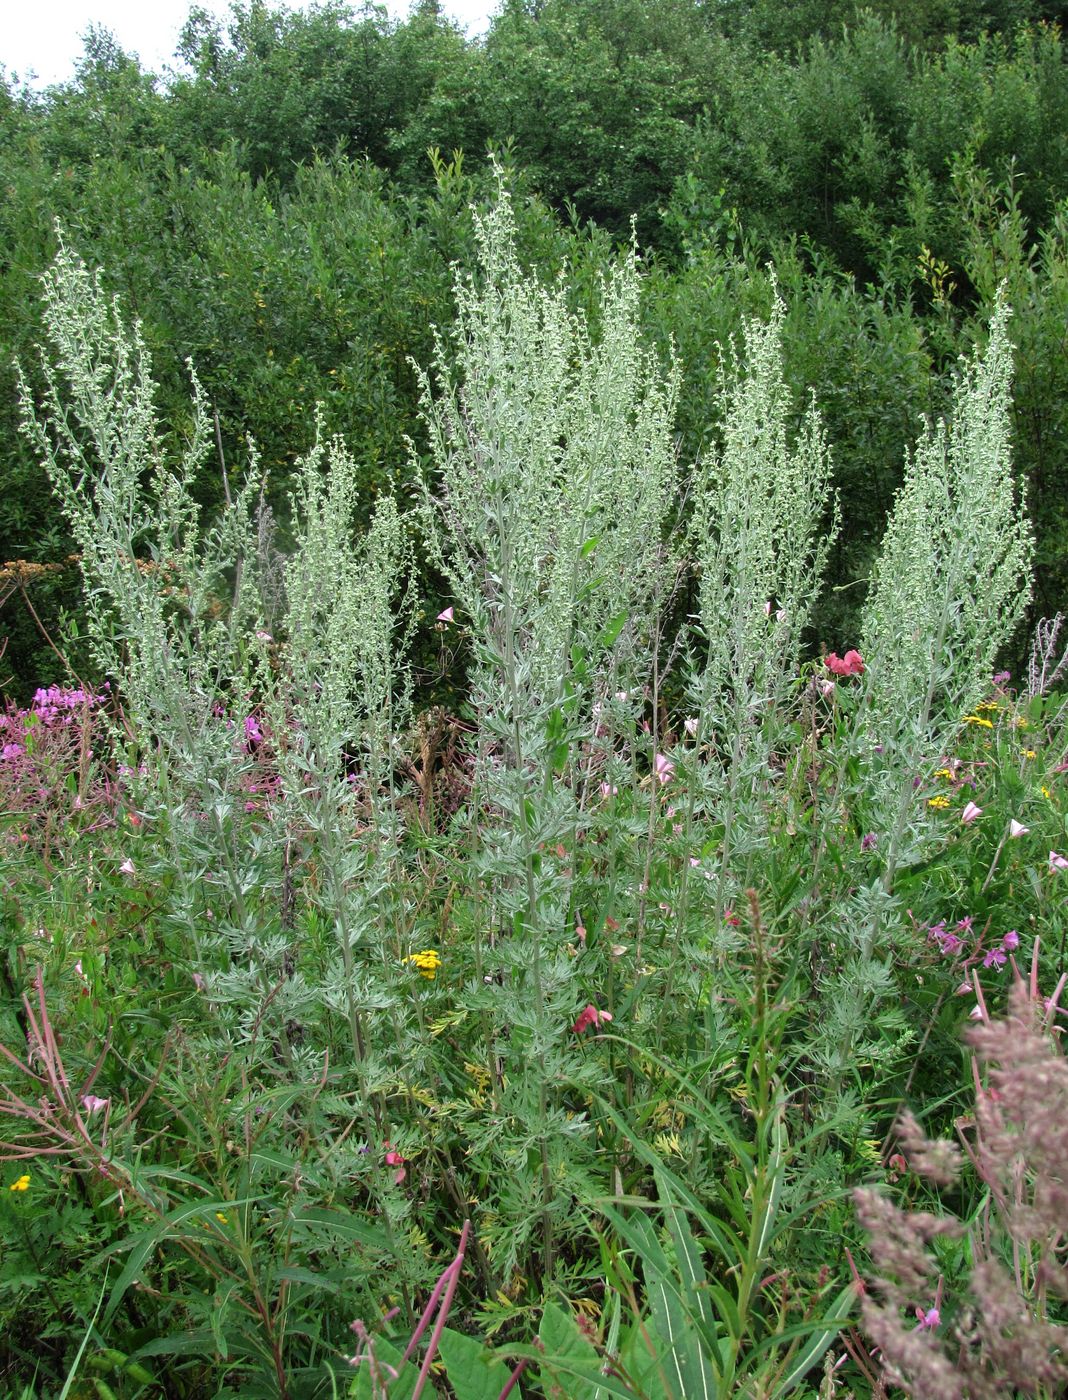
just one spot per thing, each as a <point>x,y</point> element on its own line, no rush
<point>940,803</point>
<point>979,719</point>
<point>987,705</point>
<point>946,773</point>
<point>427,962</point>
<point>23,1183</point>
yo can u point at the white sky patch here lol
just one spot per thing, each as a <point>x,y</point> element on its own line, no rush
<point>42,39</point>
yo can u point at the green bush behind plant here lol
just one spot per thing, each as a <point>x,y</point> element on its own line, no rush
<point>271,212</point>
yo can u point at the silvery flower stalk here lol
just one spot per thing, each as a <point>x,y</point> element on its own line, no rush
<point>546,509</point>
<point>764,518</point>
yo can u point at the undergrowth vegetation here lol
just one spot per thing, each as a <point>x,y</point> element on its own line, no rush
<point>535,1046</point>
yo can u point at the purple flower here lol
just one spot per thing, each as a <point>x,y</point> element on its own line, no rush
<point>949,944</point>
<point>869,841</point>
<point>1011,941</point>
<point>995,958</point>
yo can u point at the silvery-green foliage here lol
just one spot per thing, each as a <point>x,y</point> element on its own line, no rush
<point>344,691</point>
<point>152,570</point>
<point>764,518</point>
<point>547,510</point>
<point>954,573</point>
<point>553,456</point>
<point>170,599</point>
<point>349,615</point>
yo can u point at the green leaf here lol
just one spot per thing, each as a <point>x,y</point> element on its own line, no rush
<point>142,1245</point>
<point>293,1274</point>
<point>611,631</point>
<point>338,1227</point>
<point>474,1372</point>
<point>595,1384</point>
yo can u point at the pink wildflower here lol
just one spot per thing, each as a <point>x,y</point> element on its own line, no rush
<point>690,725</point>
<point>1017,829</point>
<point>852,664</point>
<point>994,958</point>
<point>609,790</point>
<point>92,1104</point>
<point>971,811</point>
<point>446,616</point>
<point>127,867</point>
<point>590,1017</point>
<point>1057,862</point>
<point>949,943</point>
<point>395,1159</point>
<point>664,768</point>
<point>1011,941</point>
<point>927,1320</point>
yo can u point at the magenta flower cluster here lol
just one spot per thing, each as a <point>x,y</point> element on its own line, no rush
<point>51,707</point>
<point>952,942</point>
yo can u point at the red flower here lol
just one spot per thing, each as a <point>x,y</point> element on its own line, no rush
<point>590,1017</point>
<point>852,664</point>
<point>396,1159</point>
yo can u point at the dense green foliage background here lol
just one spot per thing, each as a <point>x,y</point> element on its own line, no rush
<point>285,206</point>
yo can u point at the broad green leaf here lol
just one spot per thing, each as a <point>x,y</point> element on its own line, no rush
<point>611,630</point>
<point>474,1372</point>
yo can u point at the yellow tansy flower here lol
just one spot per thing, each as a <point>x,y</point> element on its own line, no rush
<point>223,1219</point>
<point>23,1183</point>
<point>1046,793</point>
<point>940,803</point>
<point>978,719</point>
<point>426,963</point>
<point>1028,753</point>
<point>946,773</point>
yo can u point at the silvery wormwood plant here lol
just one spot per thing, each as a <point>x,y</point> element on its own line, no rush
<point>764,518</point>
<point>951,584</point>
<point>952,581</point>
<point>176,619</point>
<point>547,509</point>
<point>154,576</point>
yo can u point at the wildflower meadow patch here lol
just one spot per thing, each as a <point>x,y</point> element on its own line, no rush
<point>539,1046</point>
